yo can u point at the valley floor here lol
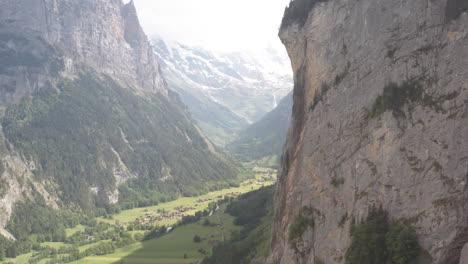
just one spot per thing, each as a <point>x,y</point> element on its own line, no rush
<point>171,248</point>
<point>177,246</point>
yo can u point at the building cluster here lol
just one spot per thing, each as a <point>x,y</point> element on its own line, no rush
<point>162,214</point>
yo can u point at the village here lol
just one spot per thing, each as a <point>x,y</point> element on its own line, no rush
<point>140,221</point>
<point>179,212</point>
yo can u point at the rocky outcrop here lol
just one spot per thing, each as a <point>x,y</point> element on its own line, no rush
<point>65,35</point>
<point>379,118</point>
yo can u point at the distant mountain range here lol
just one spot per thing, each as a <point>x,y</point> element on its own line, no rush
<point>225,91</point>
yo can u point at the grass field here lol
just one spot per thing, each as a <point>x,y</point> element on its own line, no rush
<point>177,247</point>
<point>71,231</point>
<point>171,248</point>
<point>247,186</point>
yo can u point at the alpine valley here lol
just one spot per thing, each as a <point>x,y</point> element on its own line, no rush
<point>88,121</point>
<point>349,148</point>
<point>225,91</point>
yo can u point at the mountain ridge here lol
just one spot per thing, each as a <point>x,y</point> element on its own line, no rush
<point>88,122</point>
<point>243,85</point>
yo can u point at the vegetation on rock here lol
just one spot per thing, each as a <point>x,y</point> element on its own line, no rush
<point>375,240</point>
<point>395,96</point>
<point>298,11</point>
<point>303,221</point>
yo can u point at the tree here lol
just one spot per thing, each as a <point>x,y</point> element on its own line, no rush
<point>138,237</point>
<point>402,244</point>
<point>375,240</point>
<point>368,240</point>
<point>197,239</point>
<point>11,252</point>
<point>2,254</point>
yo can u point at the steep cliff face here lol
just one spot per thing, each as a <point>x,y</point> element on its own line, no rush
<point>64,35</point>
<point>87,119</point>
<point>379,118</point>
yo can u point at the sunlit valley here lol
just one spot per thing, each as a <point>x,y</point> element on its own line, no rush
<point>219,132</point>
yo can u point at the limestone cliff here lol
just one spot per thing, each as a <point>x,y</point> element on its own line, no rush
<point>65,35</point>
<point>379,118</point>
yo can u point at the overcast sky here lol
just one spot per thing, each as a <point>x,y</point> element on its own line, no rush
<point>214,24</point>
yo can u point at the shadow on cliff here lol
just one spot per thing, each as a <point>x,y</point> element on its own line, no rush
<point>455,8</point>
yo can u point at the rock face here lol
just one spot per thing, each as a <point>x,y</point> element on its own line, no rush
<point>464,255</point>
<point>379,118</point>
<point>102,34</point>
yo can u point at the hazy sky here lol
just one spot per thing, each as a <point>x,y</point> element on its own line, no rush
<point>214,24</point>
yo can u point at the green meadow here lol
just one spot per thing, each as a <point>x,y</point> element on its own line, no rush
<point>262,178</point>
<point>177,247</point>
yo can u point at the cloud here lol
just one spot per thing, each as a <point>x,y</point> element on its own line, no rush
<point>214,24</point>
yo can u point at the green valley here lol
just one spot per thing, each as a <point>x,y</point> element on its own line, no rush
<point>263,140</point>
<point>140,235</point>
<point>108,156</point>
<point>215,132</point>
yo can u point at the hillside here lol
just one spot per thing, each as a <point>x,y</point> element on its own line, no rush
<point>218,122</point>
<point>88,123</point>
<point>374,168</point>
<point>266,137</point>
<point>253,212</point>
<point>225,91</point>
<point>162,233</point>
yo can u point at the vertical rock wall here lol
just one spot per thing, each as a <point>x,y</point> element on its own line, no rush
<point>379,118</point>
<point>102,34</point>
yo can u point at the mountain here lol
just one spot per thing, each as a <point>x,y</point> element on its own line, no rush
<point>266,137</point>
<point>225,91</point>
<point>88,122</point>
<point>376,159</point>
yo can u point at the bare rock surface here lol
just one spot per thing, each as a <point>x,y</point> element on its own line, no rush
<point>464,255</point>
<point>65,35</point>
<point>379,118</point>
